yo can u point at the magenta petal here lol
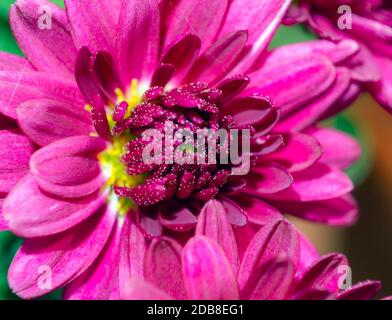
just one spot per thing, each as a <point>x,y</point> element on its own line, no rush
<point>214,64</point>
<point>275,239</point>
<point>202,18</point>
<point>12,62</point>
<point>308,254</point>
<point>261,19</point>
<point>15,153</point>
<point>272,281</point>
<point>163,267</point>
<point>280,82</point>
<point>308,115</point>
<point>319,182</point>
<point>3,222</point>
<point>341,155</point>
<point>382,90</point>
<point>267,180</point>
<point>48,50</point>
<point>45,120</point>
<point>32,213</point>
<point>17,87</point>
<point>342,211</point>
<point>44,264</point>
<point>69,168</point>
<point>137,39</point>
<point>365,290</point>
<point>207,272</point>
<point>234,213</point>
<point>162,75</point>
<point>324,274</point>
<point>94,23</point>
<point>133,249</point>
<point>299,152</point>
<point>213,223</point>
<point>100,281</point>
<point>136,289</point>
<point>176,216</point>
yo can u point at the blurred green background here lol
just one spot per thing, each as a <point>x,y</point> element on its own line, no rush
<point>352,241</point>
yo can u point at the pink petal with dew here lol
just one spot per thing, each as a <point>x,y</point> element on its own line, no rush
<point>315,73</point>
<point>316,109</point>
<point>44,264</point>
<point>48,50</point>
<point>100,281</point>
<point>17,87</point>
<point>133,247</point>
<point>138,24</point>
<point>12,62</point>
<point>207,272</point>
<point>340,149</point>
<point>319,182</point>
<point>324,274</point>
<point>15,152</point>
<point>69,168</point>
<point>365,290</point>
<point>213,223</point>
<point>137,289</point>
<point>275,239</point>
<point>46,120</point>
<point>202,18</point>
<point>163,267</point>
<point>299,152</point>
<point>261,19</point>
<point>32,213</point>
<point>94,23</point>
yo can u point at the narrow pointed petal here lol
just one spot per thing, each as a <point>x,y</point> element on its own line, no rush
<point>17,87</point>
<point>272,281</point>
<point>133,249</point>
<point>46,120</point>
<point>319,182</point>
<point>94,23</point>
<point>214,64</point>
<point>136,289</point>
<point>300,151</point>
<point>280,82</point>
<point>69,168</point>
<point>342,211</point>
<point>48,50</point>
<point>268,180</point>
<point>12,62</point>
<point>382,90</point>
<point>365,290</point>
<point>3,222</point>
<point>44,264</point>
<point>308,254</point>
<point>32,213</point>
<point>341,155</point>
<point>315,110</point>
<point>100,281</point>
<point>138,39</point>
<point>202,18</point>
<point>324,274</point>
<point>213,223</point>
<point>207,272</point>
<point>15,151</point>
<point>261,19</point>
<point>163,267</point>
<point>275,239</point>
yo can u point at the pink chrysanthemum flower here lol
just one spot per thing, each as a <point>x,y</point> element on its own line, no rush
<point>279,263</point>
<point>369,22</point>
<point>101,74</point>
